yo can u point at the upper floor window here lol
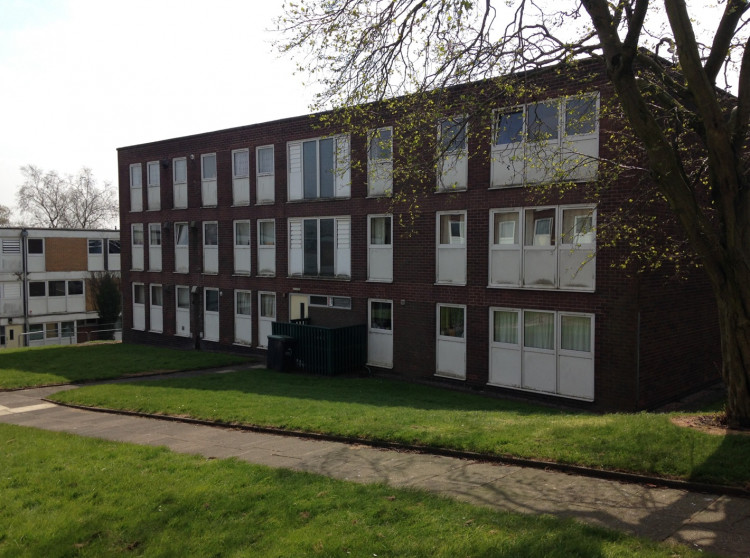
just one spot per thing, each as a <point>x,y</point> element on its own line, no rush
<point>549,141</point>
<point>266,247</point>
<point>319,168</point>
<point>153,177</point>
<point>179,182</point>
<point>320,247</point>
<point>240,163</point>
<point>453,162</point>
<point>208,179</point>
<point>95,246</point>
<point>451,248</point>
<point>380,248</point>
<point>35,245</point>
<point>265,183</point>
<point>380,162</point>
<point>136,188</point>
<point>240,177</point>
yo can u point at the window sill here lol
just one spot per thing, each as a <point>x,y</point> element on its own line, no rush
<point>265,202</point>
<point>449,284</point>
<point>533,288</point>
<point>450,377</point>
<point>320,277</point>
<point>379,280</point>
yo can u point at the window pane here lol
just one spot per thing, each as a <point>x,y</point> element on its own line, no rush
<point>181,234</point>
<point>541,121</point>
<point>241,164</point>
<point>75,287</point>
<point>451,321</point>
<point>67,329</point>
<point>95,246</point>
<point>153,174</point>
<point>139,294</point>
<point>265,160</point>
<point>268,305</point>
<point>311,246</point>
<point>242,233</point>
<point>212,300</point>
<point>310,169</point>
<point>575,333</point>
<point>578,226</point>
<point>244,303</point>
<point>506,228</point>
<point>381,144</point>
<point>539,330</point>
<point>505,327</point>
<point>540,227</point>
<point>183,297</point>
<point>380,230</point>
<point>37,288</point>
<point>137,235</point>
<point>211,234</point>
<point>341,302</point>
<point>180,171</point>
<point>208,163</point>
<point>135,176</point>
<point>113,246</point>
<point>36,332</point>
<point>452,230</point>
<point>317,300</point>
<point>327,249</point>
<point>267,233</point>
<point>56,288</point>
<point>380,315</point>
<point>327,167</point>
<point>156,295</point>
<point>51,330</point>
<point>154,238</point>
<point>580,116</point>
<point>453,135</point>
<point>35,245</point>
<point>509,128</point>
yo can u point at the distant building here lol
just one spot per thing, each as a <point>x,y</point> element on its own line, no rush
<point>44,293</point>
<point>226,232</point>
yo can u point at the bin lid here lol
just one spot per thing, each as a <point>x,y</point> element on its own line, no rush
<point>280,337</point>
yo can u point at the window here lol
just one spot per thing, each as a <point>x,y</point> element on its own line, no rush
<point>545,351</point>
<point>139,293</point>
<point>153,172</point>
<point>211,234</point>
<point>37,288</point>
<point>380,315</point>
<point>75,287</point>
<point>179,182</point>
<point>67,329</point>
<point>181,248</point>
<point>451,341</point>
<point>265,179</point>
<point>156,314</point>
<point>154,234</point>
<point>451,248</point>
<point>453,167</point>
<point>266,247</point>
<point>242,233</point>
<point>35,245</point>
<point>183,298</point>
<point>156,295</point>
<point>51,330</point>
<point>240,164</point>
<point>113,246</point>
<point>242,246</point>
<point>212,300</point>
<point>319,168</point>
<point>380,248</point>
<point>341,302</point>
<point>139,306</point>
<point>544,247</point>
<point>380,162</point>
<point>208,180</point>
<point>137,234</point>
<point>181,232</point>
<point>452,321</point>
<point>95,246</point>
<point>210,247</point>
<point>553,140</point>
<point>453,135</point>
<point>136,188</point>
<point>320,247</point>
<point>36,332</point>
<point>154,246</point>
<point>56,288</point>
<point>268,305</point>
<point>453,228</point>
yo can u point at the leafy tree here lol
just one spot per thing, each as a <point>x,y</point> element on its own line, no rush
<point>68,202</point>
<point>4,216</point>
<point>690,134</point>
<point>105,289</point>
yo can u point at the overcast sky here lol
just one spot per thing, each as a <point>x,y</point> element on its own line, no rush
<point>81,78</point>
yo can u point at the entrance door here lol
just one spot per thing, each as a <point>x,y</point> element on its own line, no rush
<point>183,312</point>
<point>298,306</point>
<point>266,317</point>
<point>380,334</point>
<point>451,341</point>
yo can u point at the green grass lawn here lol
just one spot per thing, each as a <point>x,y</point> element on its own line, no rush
<point>377,409</point>
<point>40,366</point>
<point>65,495</point>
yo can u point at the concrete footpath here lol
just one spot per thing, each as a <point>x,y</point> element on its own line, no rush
<point>716,523</point>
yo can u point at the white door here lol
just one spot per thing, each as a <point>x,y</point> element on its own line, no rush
<point>211,314</point>
<point>505,348</point>
<point>380,333</point>
<point>266,317</point>
<point>183,312</point>
<point>539,360</point>
<point>451,341</point>
<point>243,317</point>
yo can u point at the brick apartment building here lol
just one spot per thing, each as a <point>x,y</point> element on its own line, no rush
<point>228,231</point>
<point>44,292</point>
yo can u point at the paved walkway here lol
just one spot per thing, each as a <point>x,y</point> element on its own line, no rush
<point>720,524</point>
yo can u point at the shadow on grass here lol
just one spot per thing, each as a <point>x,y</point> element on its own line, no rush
<point>363,390</point>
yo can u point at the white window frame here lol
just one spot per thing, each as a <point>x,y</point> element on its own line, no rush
<point>156,326</point>
<point>450,257</point>
<point>240,180</point>
<point>379,169</point>
<point>154,186</point>
<point>209,184</point>
<point>453,161</point>
<point>136,187</point>
<point>213,314</point>
<point>180,311</point>
<point>137,247</point>
<point>247,317</point>
<point>265,181</point>
<point>141,306</point>
<point>341,170</point>
<point>179,187</point>
<point>242,257</point>
<point>209,248</point>
<point>263,320</point>
<point>380,256</point>
<point>341,247</point>
<point>266,252</point>
<point>181,251</point>
<point>154,248</point>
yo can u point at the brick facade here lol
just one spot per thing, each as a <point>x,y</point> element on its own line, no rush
<point>650,345</point>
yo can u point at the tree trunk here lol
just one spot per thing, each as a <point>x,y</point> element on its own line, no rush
<point>734,323</point>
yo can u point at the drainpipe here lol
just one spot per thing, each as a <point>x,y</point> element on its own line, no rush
<point>25,280</point>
